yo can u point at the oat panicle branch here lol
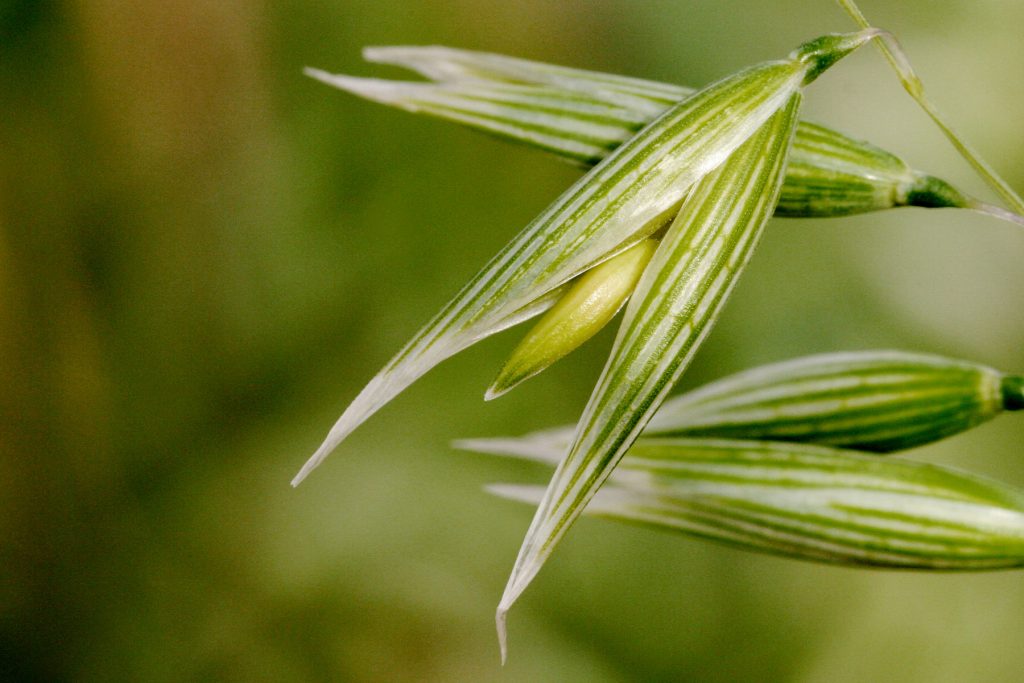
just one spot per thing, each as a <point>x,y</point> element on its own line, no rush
<point>897,58</point>
<point>679,186</point>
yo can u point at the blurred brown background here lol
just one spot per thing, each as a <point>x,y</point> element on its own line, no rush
<point>204,255</point>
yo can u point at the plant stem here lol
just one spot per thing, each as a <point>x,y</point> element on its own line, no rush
<point>897,57</point>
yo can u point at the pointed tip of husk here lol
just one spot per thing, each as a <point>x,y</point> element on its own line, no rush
<point>475,445</point>
<point>512,592</point>
<point>374,89</point>
<point>435,62</point>
<point>397,54</point>
<point>529,562</point>
<point>508,379</point>
<point>349,420</point>
<point>313,462</point>
<point>537,448</point>
<point>495,390</point>
<point>488,445</point>
<point>522,493</point>
<point>499,623</point>
<point>378,54</point>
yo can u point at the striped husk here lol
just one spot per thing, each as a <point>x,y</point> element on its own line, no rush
<point>590,303</point>
<point>812,503</point>
<point>879,401</point>
<point>632,193</point>
<point>582,116</point>
<point>674,306</point>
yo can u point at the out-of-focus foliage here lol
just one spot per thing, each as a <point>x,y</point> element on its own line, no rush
<point>203,256</point>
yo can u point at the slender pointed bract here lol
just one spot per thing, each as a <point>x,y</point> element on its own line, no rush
<point>671,312</point>
<point>631,194</point>
<point>582,116</point>
<point>451,65</point>
<point>578,127</point>
<point>811,503</point>
<point>878,401</point>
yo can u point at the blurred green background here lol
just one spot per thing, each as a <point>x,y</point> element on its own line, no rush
<point>204,255</point>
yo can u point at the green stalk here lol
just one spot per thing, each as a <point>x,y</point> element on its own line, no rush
<point>897,58</point>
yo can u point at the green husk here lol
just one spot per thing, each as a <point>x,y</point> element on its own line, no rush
<point>877,401</point>
<point>715,160</point>
<point>810,503</point>
<point>581,116</point>
<point>592,301</point>
<point>631,194</point>
<point>881,401</point>
<point>673,309</point>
